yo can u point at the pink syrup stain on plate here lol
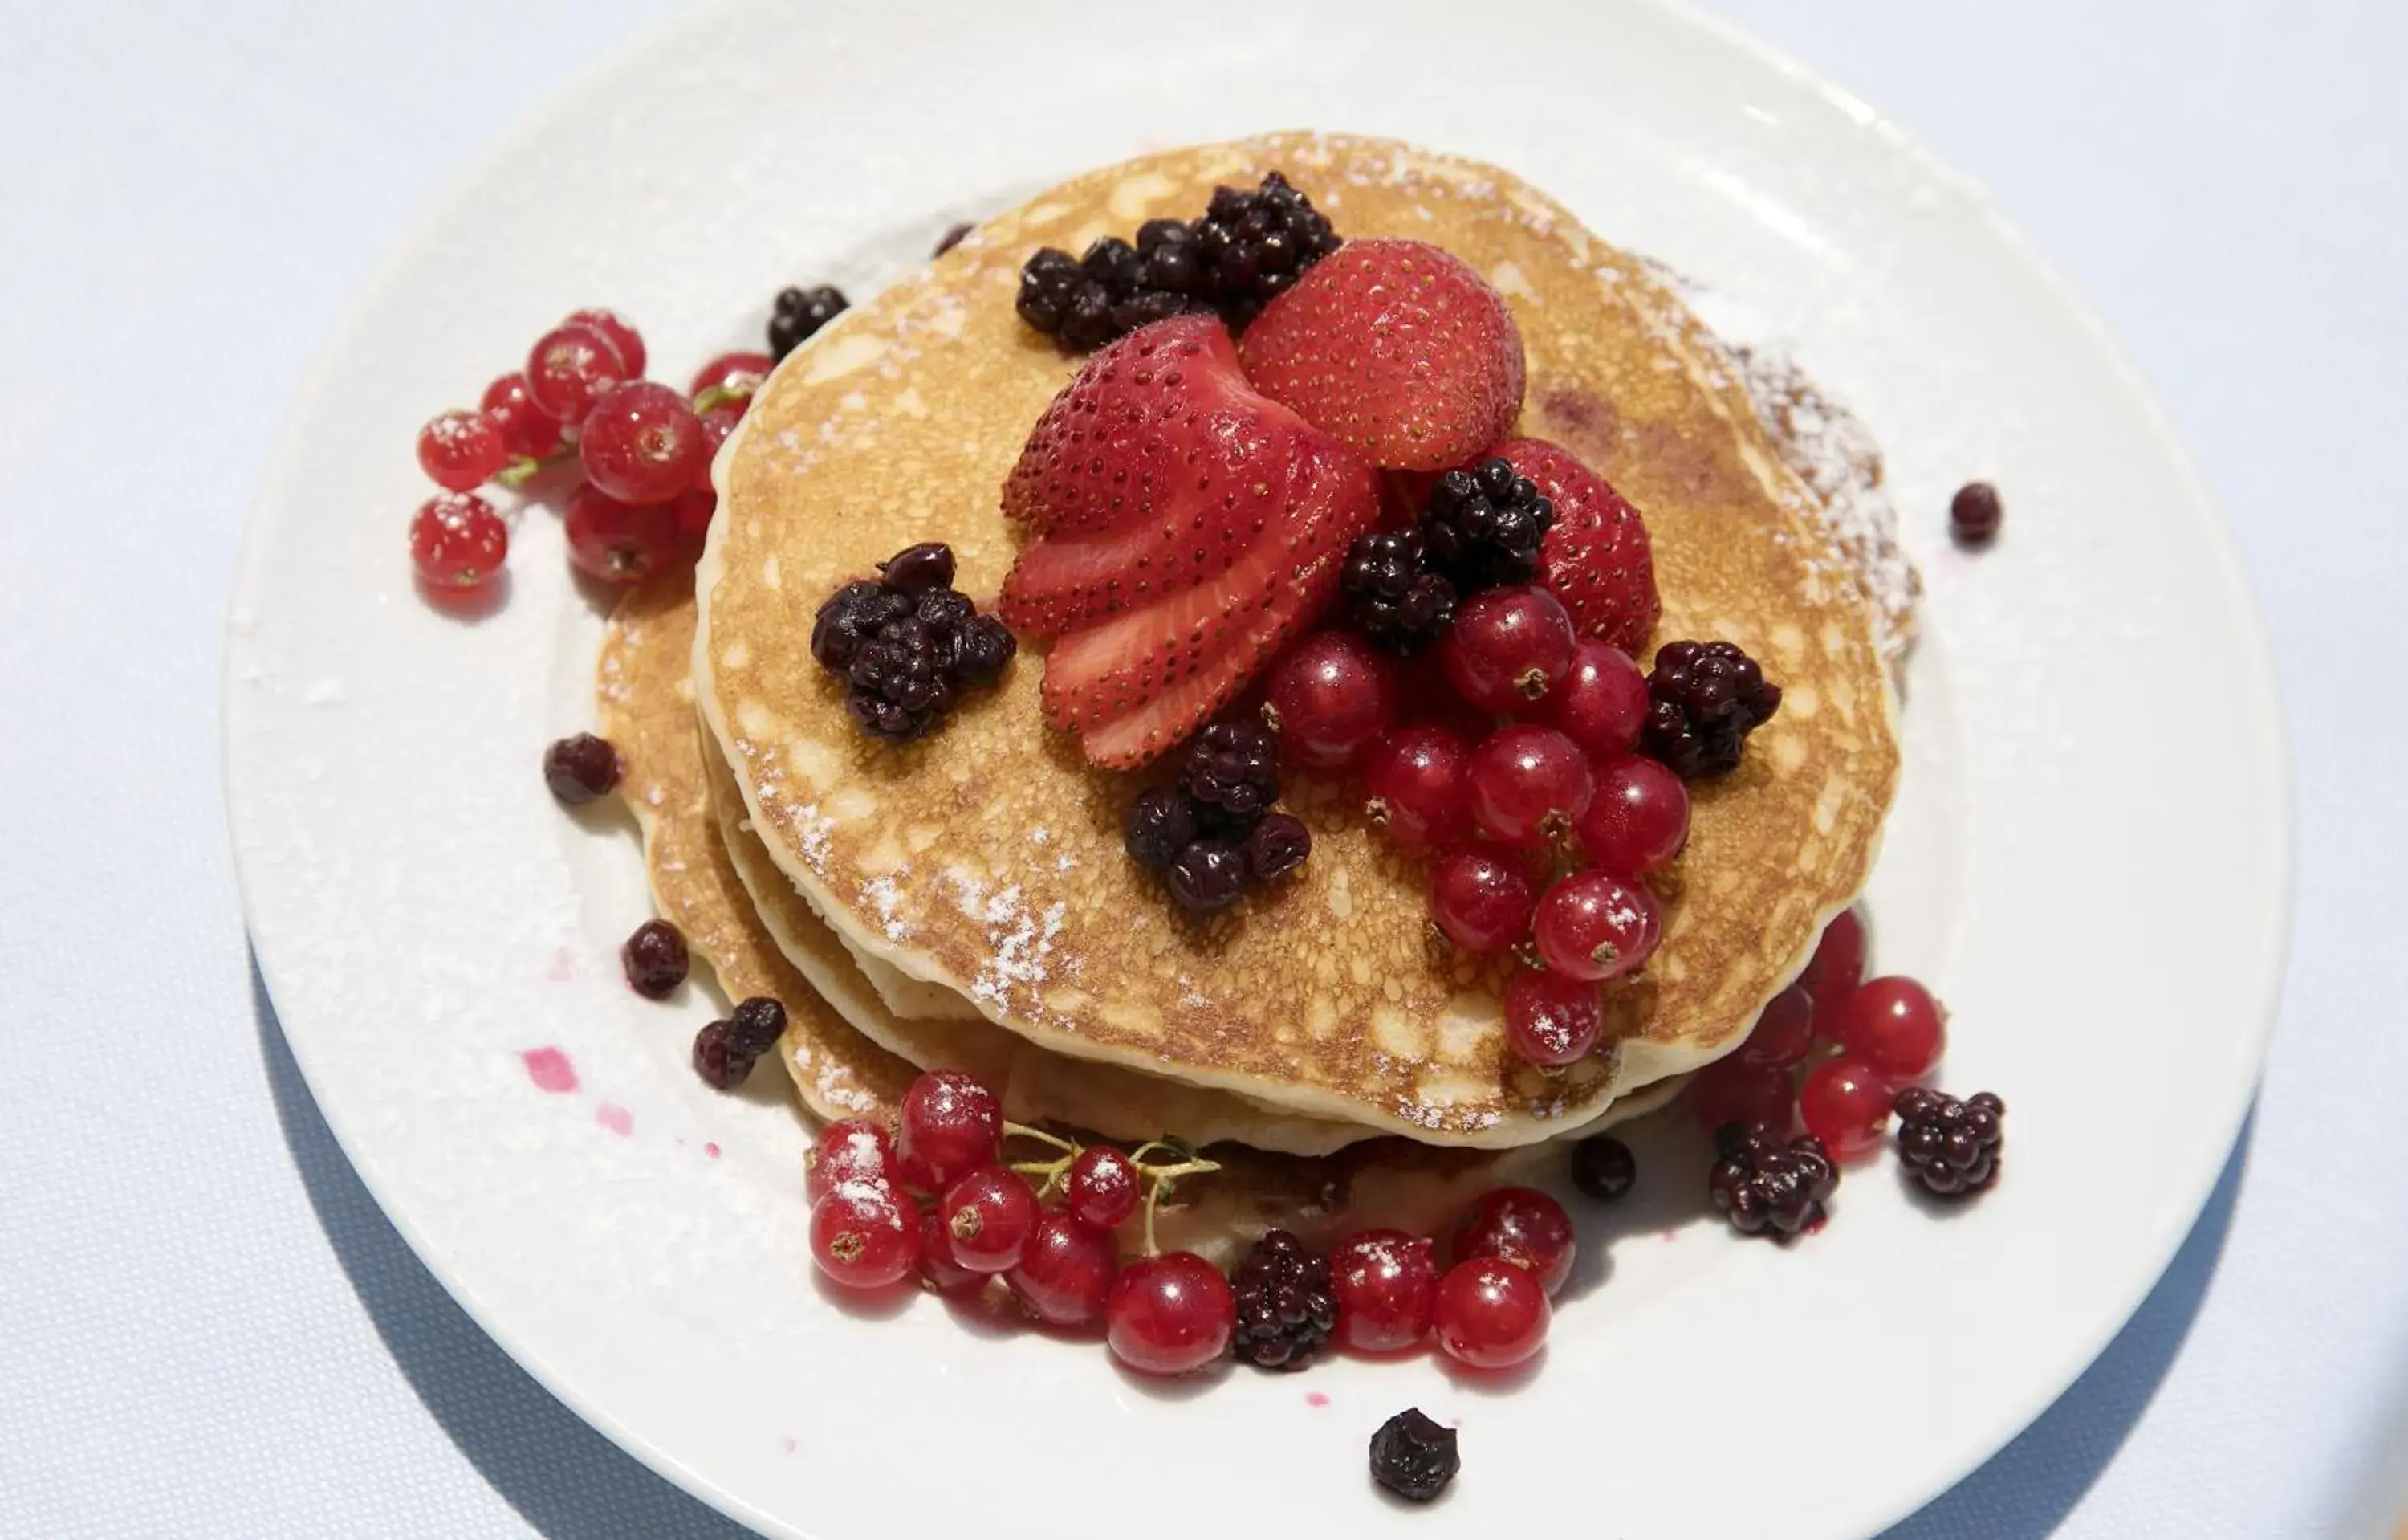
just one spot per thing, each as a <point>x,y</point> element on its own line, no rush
<point>563,966</point>
<point>1315,1398</point>
<point>549,1068</point>
<point>618,1119</point>
<point>788,1444</point>
<point>711,1150</point>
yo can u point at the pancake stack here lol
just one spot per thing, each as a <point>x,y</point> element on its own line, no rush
<point>963,902</point>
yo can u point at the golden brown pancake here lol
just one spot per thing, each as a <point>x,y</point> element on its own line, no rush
<point>839,1072</point>
<point>987,858</point>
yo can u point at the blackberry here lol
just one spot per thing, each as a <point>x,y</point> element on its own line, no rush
<point>1952,1148</point>
<point>1705,697</point>
<point>900,681</point>
<point>851,616</point>
<point>1392,596</point>
<point>1278,846</point>
<point>654,959</point>
<point>1762,1185</point>
<point>797,314</point>
<point>717,1061</point>
<point>916,568</point>
<point>1254,246</point>
<point>580,768</point>
<point>1284,1306</point>
<point>1157,827</point>
<point>1231,773</point>
<point>1482,527</point>
<point>1114,289</point>
<point>1603,1167</point>
<point>1413,1456</point>
<point>985,649</point>
<point>756,1025</point>
<point>1206,875</point>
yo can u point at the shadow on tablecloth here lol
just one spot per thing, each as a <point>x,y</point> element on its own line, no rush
<point>571,1483</point>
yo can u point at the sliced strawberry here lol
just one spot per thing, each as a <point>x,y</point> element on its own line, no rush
<point>1118,439</point>
<point>1139,685</point>
<point>1397,348</point>
<point>1597,557</point>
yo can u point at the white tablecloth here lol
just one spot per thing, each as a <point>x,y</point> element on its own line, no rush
<point>206,1326</point>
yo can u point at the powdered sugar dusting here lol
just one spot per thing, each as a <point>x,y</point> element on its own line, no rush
<point>1019,943</point>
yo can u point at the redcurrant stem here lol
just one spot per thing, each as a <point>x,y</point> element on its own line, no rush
<point>718,395</point>
<point>1051,1171</point>
<point>525,468</point>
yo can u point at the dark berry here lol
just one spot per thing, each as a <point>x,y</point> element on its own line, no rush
<point>580,768</point>
<point>717,1060</point>
<point>1704,698</point>
<point>984,650</point>
<point>1208,876</point>
<point>1764,1187</point>
<point>1974,514</point>
<point>851,616</point>
<point>946,615</point>
<point>1049,280</point>
<point>1254,246</point>
<point>1278,846</point>
<point>756,1025</point>
<point>951,238</point>
<point>1284,1306</point>
<point>654,959</point>
<point>1231,773</point>
<point>1157,827</point>
<point>916,568</point>
<point>1392,596</point>
<point>1413,1456</point>
<point>901,681</point>
<point>797,315</point>
<point>1603,1167</point>
<point>1952,1148</point>
<point>1483,527</point>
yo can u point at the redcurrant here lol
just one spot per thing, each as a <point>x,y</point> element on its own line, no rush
<point>1508,648</point>
<point>462,451</point>
<point>988,1214</point>
<point>1597,926</point>
<point>1550,1020</point>
<point>624,338</point>
<point>523,430</point>
<point>1385,1282</point>
<point>457,541</point>
<point>1638,818</point>
<point>850,1149</point>
<point>1895,1026</point>
<point>1489,1313</point>
<point>619,543</point>
<point>1329,697</point>
<point>735,374</point>
<point>865,1234</point>
<point>1416,788</point>
<point>1065,1271</point>
<point>1481,898</point>
<point>1170,1314</point>
<point>1602,703</point>
<point>1523,1226</point>
<point>568,367</point>
<point>1838,966</point>
<point>1731,1090</point>
<point>1784,1035</point>
<point>1102,1189</point>
<point>1529,784</point>
<point>947,1124</point>
<point>642,443</point>
<point>1845,1103</point>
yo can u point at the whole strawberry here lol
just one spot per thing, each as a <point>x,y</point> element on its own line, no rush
<point>1397,348</point>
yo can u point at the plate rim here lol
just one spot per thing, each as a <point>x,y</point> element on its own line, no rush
<point>2175,1224</point>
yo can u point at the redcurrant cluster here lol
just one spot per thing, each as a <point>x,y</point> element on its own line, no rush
<point>1521,774</point>
<point>643,449</point>
<point>1837,1053</point>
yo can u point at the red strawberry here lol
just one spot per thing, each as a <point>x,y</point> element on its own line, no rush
<point>1109,447</point>
<point>1397,348</point>
<point>1597,557</point>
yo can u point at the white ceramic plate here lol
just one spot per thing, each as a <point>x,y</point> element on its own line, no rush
<point>2089,857</point>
